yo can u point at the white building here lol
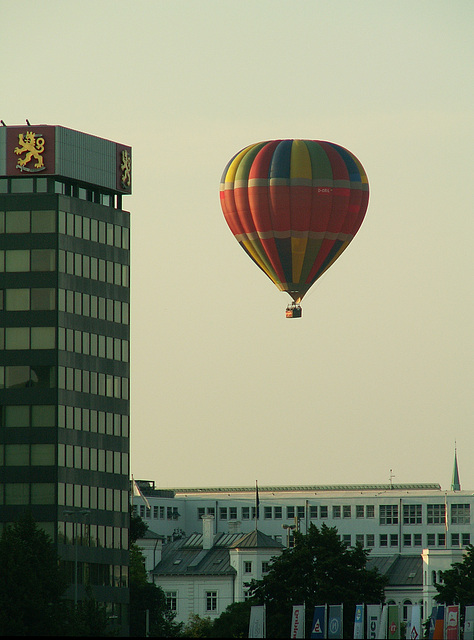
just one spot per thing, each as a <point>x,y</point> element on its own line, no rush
<point>395,522</point>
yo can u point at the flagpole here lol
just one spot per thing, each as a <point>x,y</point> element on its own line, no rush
<point>257,501</point>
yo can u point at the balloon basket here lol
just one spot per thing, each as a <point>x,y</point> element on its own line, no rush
<point>294,311</point>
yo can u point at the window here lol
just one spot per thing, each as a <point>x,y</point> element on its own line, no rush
<point>359,510</point>
<point>466,539</point>
<point>171,600</point>
<point>460,514</point>
<point>300,512</point>
<point>412,514</point>
<point>417,539</point>
<point>441,539</point>
<point>436,514</point>
<point>265,567</point>
<point>346,539</point>
<point>370,511</point>
<point>370,540</point>
<point>383,540</point>
<point>223,513</point>
<point>290,512</point>
<point>388,514</point>
<point>277,513</point>
<point>336,511</point>
<point>323,511</point>
<point>232,513</point>
<point>211,600</point>
<point>247,567</point>
<point>313,511</point>
<point>394,539</point>
<point>455,539</point>
<point>407,539</point>
<point>245,513</point>
<point>430,539</point>
<point>267,513</point>
<point>346,511</point>
<point>360,538</point>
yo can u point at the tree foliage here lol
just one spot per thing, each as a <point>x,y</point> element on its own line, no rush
<point>458,582</point>
<point>32,582</point>
<point>319,569</point>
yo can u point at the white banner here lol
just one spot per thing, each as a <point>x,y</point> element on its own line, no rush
<point>297,621</point>
<point>414,631</point>
<point>257,622</point>
<point>373,621</point>
<point>469,622</point>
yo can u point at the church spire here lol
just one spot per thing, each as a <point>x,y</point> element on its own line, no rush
<point>456,483</point>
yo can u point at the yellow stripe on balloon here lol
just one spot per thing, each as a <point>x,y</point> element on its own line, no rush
<point>234,165</point>
<point>300,166</point>
<point>298,250</point>
<point>259,257</point>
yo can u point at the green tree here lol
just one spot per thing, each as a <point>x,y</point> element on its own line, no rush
<point>198,627</point>
<point>319,569</point>
<point>32,583</point>
<point>457,585</point>
<point>233,622</point>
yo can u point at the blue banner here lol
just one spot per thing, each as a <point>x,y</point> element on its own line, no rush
<point>335,629</point>
<point>318,628</point>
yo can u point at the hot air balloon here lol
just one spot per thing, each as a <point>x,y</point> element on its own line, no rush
<point>294,206</point>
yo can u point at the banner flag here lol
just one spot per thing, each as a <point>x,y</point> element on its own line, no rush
<point>318,628</point>
<point>414,631</point>
<point>335,619</point>
<point>434,612</point>
<point>383,623</point>
<point>257,622</point>
<point>297,621</point>
<point>393,622</point>
<point>138,494</point>
<point>373,621</point>
<point>359,621</point>
<point>452,622</point>
<point>469,622</point>
<point>438,633</point>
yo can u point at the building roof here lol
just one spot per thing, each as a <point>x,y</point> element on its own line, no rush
<point>400,570</point>
<point>256,540</point>
<point>187,557</point>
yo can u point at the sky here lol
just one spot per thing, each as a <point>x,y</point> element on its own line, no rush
<point>376,379</point>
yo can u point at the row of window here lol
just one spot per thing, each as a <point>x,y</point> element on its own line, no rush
<point>210,597</point>
<point>84,266</point>
<point>412,514</point>
<point>81,419</point>
<point>86,228</point>
<point>18,377</point>
<point>91,344</point>
<point>84,381</point>
<point>92,306</point>
<point>28,221</point>
<point>92,535</point>
<point>40,299</point>
<point>23,260</point>
<point>90,458</point>
<point>84,496</point>
<point>91,573</point>
<point>69,495</point>
<point>159,512</point>
<point>50,185</point>
<point>12,338</point>
<point>25,455</point>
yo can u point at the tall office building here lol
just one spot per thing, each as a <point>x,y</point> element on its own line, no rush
<point>64,349</point>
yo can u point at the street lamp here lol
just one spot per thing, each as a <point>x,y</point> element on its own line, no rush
<point>81,514</point>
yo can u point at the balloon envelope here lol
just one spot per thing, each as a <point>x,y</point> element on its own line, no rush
<point>294,206</point>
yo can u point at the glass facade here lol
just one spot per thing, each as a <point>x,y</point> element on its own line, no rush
<point>64,375</point>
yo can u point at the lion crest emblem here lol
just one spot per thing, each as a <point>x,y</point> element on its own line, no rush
<point>126,168</point>
<point>33,147</point>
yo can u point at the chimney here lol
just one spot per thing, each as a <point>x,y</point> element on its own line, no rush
<point>234,526</point>
<point>207,532</point>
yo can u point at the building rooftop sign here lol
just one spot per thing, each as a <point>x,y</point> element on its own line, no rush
<point>47,150</point>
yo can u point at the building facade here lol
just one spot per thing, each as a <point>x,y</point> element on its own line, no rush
<point>412,531</point>
<point>64,349</point>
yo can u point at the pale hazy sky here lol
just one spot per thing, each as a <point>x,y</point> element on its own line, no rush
<point>378,374</point>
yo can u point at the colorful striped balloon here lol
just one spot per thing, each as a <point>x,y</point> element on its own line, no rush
<point>294,206</point>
